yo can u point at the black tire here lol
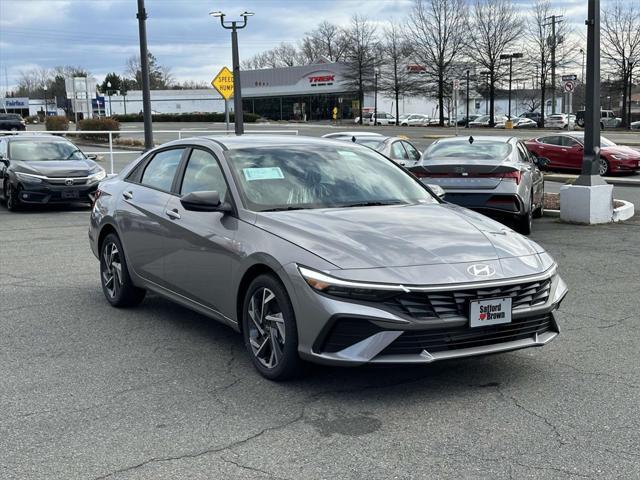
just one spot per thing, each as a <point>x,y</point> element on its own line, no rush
<point>524,223</point>
<point>12,197</point>
<point>260,343</point>
<point>119,290</point>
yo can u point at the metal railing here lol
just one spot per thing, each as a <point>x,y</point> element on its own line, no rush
<point>110,134</point>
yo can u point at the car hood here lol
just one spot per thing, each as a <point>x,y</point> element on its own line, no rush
<point>621,149</point>
<point>57,168</point>
<point>397,236</point>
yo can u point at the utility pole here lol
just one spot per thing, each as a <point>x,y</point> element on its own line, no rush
<point>510,57</point>
<point>144,65</point>
<point>237,91</point>
<point>553,43</point>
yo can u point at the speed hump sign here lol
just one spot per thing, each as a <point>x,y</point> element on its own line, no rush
<point>223,83</point>
<point>569,86</point>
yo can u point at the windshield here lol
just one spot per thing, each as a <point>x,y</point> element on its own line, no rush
<point>484,118</point>
<point>479,149</point>
<point>294,177</point>
<point>39,151</point>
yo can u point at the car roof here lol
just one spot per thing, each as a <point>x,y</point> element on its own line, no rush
<point>266,140</point>
<point>37,137</point>
<point>352,134</point>
<point>494,138</point>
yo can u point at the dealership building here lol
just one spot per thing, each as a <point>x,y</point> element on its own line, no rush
<point>301,93</point>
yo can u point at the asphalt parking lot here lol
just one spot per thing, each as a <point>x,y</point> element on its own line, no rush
<point>159,392</point>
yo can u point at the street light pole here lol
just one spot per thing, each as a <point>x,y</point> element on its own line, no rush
<point>486,81</point>
<point>510,57</point>
<point>467,113</point>
<point>591,156</point>
<point>46,105</point>
<point>144,65</point>
<point>582,71</point>
<point>375,97</point>
<point>237,91</point>
<point>109,95</point>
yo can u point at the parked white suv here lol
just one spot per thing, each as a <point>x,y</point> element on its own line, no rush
<point>608,119</point>
<point>560,120</point>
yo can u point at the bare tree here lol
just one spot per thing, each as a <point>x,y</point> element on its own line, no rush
<point>160,76</point>
<point>437,31</point>
<point>621,44</point>
<point>495,27</point>
<point>539,51</point>
<point>531,100</point>
<point>394,79</point>
<point>361,57</point>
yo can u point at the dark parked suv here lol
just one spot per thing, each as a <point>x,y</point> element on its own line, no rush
<point>12,121</point>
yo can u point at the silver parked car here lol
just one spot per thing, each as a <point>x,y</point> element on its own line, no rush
<point>398,149</point>
<point>495,175</point>
<point>414,120</point>
<point>319,250</point>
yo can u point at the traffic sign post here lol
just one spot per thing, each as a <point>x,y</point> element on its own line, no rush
<point>569,87</point>
<point>223,83</point>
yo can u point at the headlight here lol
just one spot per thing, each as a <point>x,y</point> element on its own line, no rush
<point>321,282</point>
<point>620,156</point>
<point>29,178</point>
<point>96,177</point>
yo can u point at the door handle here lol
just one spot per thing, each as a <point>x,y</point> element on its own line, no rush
<point>172,214</point>
<point>127,195</point>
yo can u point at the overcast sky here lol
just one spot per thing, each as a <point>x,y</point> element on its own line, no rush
<point>100,35</point>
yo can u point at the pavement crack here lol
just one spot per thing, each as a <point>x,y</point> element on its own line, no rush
<point>253,469</point>
<point>201,453</point>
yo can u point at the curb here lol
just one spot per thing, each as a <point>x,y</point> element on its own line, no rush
<point>624,182</point>
<point>551,213</point>
<point>625,212</point>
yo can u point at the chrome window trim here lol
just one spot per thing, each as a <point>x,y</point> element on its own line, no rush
<point>325,277</point>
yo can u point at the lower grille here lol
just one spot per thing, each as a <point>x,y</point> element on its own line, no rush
<point>414,342</point>
<point>347,331</point>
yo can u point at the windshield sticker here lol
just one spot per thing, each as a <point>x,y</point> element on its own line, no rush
<point>262,173</point>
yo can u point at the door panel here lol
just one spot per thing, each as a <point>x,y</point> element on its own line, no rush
<point>201,244</point>
<point>143,226</point>
<point>142,221</point>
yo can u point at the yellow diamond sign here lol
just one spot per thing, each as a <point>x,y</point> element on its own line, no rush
<point>223,83</point>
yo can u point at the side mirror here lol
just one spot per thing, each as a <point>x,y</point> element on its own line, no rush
<point>541,162</point>
<point>5,161</point>
<point>92,156</point>
<point>437,190</point>
<point>206,201</point>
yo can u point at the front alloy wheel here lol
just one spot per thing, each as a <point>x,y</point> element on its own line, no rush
<point>11,197</point>
<point>269,329</point>
<point>267,334</point>
<point>112,271</point>
<point>604,166</point>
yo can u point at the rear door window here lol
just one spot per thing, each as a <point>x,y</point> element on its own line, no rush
<point>161,170</point>
<point>551,140</point>
<point>398,152</point>
<point>412,151</point>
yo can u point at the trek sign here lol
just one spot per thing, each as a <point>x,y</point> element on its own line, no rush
<point>223,83</point>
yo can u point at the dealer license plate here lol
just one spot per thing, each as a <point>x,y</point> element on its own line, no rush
<point>71,194</point>
<point>490,311</point>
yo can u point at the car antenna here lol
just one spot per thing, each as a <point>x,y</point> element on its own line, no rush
<point>470,139</point>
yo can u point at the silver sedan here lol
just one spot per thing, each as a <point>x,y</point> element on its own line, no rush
<point>495,175</point>
<point>319,250</point>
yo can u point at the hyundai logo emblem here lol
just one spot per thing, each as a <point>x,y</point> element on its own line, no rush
<point>68,181</point>
<point>481,270</point>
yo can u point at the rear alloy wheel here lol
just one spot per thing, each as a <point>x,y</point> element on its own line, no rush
<point>116,282</point>
<point>604,167</point>
<point>11,196</point>
<point>269,329</point>
<point>524,223</point>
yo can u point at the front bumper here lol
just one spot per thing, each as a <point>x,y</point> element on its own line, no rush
<point>625,166</point>
<point>336,331</point>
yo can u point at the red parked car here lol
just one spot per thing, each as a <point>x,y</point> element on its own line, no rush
<point>565,150</point>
